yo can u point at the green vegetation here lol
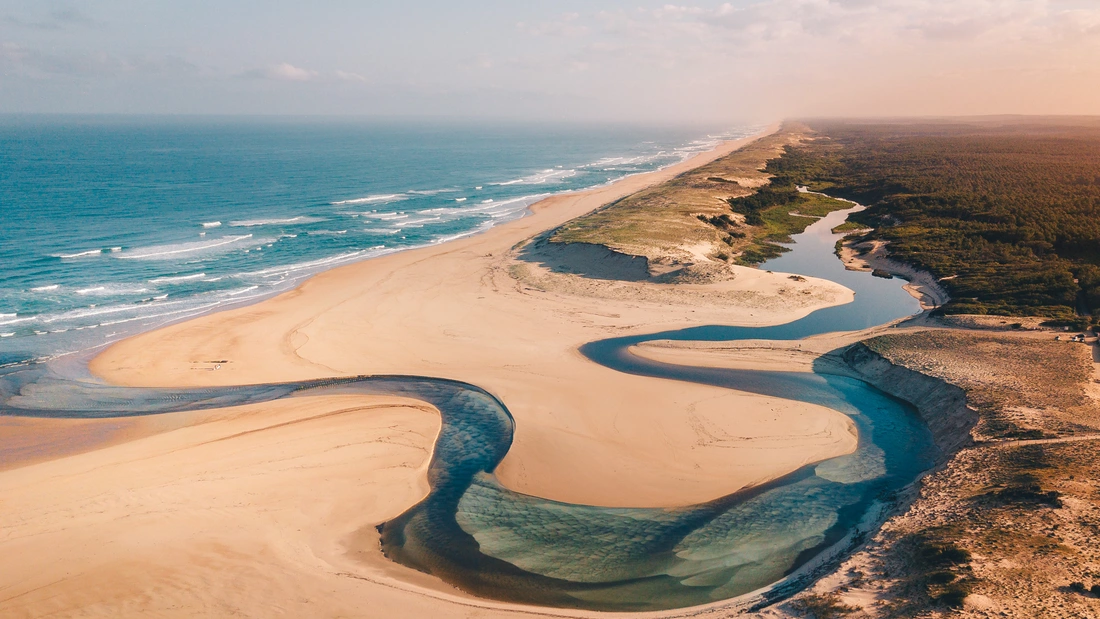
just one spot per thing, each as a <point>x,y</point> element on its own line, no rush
<point>661,221</point>
<point>1008,210</point>
<point>774,213</point>
<point>849,226</point>
<point>714,204</point>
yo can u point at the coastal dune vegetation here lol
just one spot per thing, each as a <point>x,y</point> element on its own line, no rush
<point>731,210</point>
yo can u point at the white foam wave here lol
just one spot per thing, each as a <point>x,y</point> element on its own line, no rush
<point>89,312</point>
<point>250,223</point>
<point>16,321</point>
<point>45,288</point>
<point>386,216</point>
<point>82,254</point>
<point>188,311</point>
<point>6,334</point>
<point>176,279</point>
<point>108,290</point>
<point>460,199</point>
<point>211,224</point>
<point>238,292</point>
<point>388,197</point>
<point>382,230</point>
<point>168,252</point>
<point>483,227</point>
<point>545,176</point>
<point>423,220</point>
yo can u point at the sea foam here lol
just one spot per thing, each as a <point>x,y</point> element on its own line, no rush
<point>82,254</point>
<point>250,223</point>
<point>388,197</point>
<point>545,176</point>
<point>178,250</point>
<point>177,278</point>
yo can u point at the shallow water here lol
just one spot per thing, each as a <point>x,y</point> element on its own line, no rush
<point>495,543</point>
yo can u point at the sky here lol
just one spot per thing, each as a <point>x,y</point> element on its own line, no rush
<point>748,60</point>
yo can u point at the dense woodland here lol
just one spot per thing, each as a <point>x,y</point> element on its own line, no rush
<point>1006,210</point>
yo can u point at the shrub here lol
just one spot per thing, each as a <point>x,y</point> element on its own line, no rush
<point>954,594</point>
<point>823,606</point>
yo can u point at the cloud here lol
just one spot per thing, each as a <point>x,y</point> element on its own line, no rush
<point>778,57</point>
<point>289,72</point>
<point>281,72</point>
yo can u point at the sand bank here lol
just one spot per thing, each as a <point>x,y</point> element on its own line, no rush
<point>243,482</point>
<point>241,507</point>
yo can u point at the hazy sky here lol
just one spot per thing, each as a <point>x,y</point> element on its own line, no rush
<point>601,59</point>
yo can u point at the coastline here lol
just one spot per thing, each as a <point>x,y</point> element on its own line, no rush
<point>874,256</point>
<point>584,434</point>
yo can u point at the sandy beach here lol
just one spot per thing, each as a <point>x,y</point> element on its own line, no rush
<point>269,509</point>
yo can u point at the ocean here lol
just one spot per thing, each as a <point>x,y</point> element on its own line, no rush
<point>110,226</point>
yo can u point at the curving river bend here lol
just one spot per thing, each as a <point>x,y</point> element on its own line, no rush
<point>481,537</point>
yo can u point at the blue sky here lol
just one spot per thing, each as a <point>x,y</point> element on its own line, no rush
<point>612,59</point>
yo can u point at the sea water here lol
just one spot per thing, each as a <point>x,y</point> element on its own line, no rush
<point>110,226</point>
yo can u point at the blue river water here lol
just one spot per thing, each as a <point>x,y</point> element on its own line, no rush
<point>483,538</point>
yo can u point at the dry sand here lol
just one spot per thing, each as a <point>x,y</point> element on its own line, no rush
<point>268,509</point>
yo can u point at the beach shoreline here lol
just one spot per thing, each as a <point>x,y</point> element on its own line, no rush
<point>584,434</point>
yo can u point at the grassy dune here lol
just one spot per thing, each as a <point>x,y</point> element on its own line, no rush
<point>690,219</point>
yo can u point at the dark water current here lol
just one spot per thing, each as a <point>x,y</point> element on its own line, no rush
<point>495,543</point>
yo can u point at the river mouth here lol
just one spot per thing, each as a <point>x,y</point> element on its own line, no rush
<point>494,543</point>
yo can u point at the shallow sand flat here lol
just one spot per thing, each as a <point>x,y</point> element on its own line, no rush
<point>806,355</point>
<point>247,510</point>
<point>28,440</point>
<point>585,434</point>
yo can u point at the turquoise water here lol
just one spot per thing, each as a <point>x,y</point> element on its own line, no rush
<point>113,226</point>
<point>469,530</point>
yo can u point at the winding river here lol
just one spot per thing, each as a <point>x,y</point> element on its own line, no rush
<point>483,538</point>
